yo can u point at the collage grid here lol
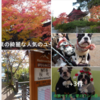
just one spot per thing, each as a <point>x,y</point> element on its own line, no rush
<point>50,50</point>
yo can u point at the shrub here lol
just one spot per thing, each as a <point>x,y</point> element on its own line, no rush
<point>77,23</point>
<point>93,29</point>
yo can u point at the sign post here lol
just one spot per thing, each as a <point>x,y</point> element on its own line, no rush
<point>40,76</point>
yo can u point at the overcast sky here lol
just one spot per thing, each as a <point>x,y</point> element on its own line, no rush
<point>60,6</point>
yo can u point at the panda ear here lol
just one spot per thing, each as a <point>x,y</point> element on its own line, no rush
<point>60,69</point>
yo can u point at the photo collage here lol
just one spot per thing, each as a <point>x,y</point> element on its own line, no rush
<point>50,50</point>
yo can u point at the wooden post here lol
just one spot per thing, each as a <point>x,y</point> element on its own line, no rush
<point>38,61</point>
<point>24,92</point>
<point>31,72</point>
<point>16,85</point>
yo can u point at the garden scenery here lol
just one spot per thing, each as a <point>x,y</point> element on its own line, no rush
<point>15,74</point>
<point>26,24</point>
<point>76,16</point>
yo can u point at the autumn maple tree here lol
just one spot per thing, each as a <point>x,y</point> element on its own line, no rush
<point>95,14</point>
<point>23,19</point>
<point>62,18</point>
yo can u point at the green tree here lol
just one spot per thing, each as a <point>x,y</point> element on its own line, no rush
<point>87,4</point>
<point>12,61</point>
<point>22,74</point>
<point>53,19</point>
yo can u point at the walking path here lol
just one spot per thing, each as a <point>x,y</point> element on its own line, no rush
<point>8,93</point>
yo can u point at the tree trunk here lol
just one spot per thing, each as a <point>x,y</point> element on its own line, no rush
<point>11,81</point>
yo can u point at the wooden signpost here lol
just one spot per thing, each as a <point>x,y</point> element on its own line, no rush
<point>40,76</point>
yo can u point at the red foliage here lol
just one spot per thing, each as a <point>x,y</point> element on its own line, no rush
<point>56,22</point>
<point>95,14</point>
<point>42,30</point>
<point>61,19</point>
<point>25,19</point>
<point>92,20</point>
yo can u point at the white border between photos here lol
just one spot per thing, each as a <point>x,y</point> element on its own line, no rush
<point>0,50</point>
